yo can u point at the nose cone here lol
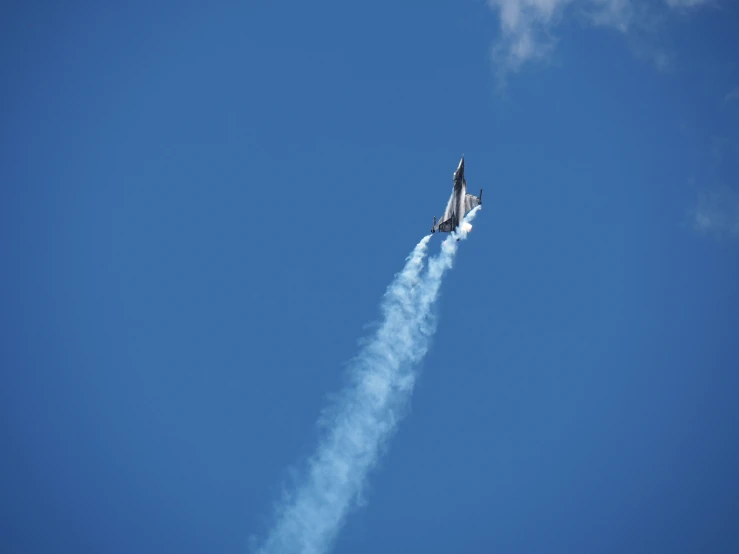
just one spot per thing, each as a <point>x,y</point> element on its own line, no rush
<point>459,173</point>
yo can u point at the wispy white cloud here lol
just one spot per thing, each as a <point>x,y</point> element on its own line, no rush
<point>525,30</point>
<point>616,14</point>
<point>527,26</point>
<point>717,212</point>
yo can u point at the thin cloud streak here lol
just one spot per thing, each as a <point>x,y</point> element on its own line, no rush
<point>364,416</point>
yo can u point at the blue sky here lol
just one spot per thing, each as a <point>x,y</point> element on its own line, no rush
<point>201,208</point>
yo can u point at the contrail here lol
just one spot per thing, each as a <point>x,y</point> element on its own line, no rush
<point>364,416</point>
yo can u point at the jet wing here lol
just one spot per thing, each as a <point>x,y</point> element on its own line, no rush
<point>470,201</point>
<point>445,226</point>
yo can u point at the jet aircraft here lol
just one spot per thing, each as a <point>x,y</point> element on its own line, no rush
<point>460,203</point>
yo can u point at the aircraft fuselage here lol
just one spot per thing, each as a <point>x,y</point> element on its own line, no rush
<point>459,204</point>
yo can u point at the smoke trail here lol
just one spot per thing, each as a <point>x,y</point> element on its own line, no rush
<point>365,415</point>
<point>439,264</point>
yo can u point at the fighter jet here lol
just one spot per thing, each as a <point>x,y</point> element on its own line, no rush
<point>459,203</point>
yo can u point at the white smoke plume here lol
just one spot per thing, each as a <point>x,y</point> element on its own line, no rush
<point>365,415</point>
